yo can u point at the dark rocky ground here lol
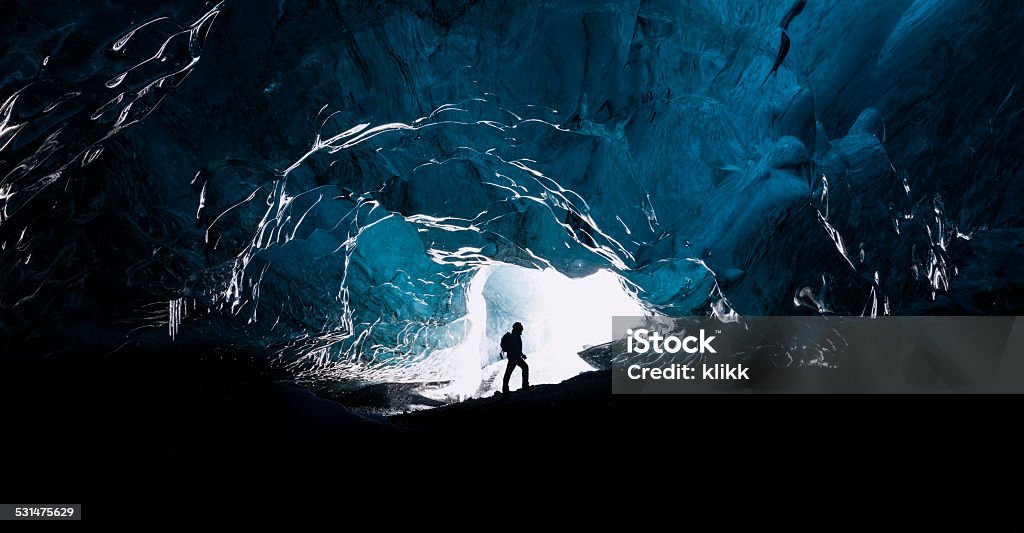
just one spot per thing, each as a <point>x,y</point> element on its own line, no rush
<point>146,426</point>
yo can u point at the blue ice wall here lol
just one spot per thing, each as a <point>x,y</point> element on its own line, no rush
<point>318,180</point>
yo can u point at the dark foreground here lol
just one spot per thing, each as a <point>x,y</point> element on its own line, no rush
<point>135,426</point>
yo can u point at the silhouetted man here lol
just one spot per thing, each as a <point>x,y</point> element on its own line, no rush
<point>512,344</point>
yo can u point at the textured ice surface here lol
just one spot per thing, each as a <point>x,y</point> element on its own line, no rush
<point>321,181</point>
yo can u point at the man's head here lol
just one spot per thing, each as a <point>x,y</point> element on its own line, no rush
<point>517,328</point>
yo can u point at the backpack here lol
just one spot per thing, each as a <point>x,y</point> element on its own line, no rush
<point>506,341</point>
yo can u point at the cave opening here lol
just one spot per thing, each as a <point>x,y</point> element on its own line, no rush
<point>562,316</point>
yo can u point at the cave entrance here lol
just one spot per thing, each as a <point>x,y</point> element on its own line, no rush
<point>561,315</point>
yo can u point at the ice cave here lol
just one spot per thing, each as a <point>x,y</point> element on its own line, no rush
<point>360,192</point>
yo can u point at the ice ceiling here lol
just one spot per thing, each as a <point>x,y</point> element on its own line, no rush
<point>335,184</point>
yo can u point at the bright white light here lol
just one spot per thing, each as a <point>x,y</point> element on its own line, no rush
<point>561,315</point>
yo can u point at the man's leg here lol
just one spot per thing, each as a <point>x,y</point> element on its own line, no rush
<point>526,373</point>
<point>508,374</point>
